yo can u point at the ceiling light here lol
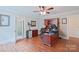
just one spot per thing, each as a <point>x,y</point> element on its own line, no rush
<point>43,13</point>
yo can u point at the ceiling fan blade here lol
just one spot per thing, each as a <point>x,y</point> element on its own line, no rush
<point>48,12</point>
<point>50,8</point>
<point>42,8</point>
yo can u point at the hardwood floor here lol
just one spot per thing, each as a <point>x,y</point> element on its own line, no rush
<point>35,45</point>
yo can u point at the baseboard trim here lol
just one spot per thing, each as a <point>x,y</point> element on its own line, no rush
<point>73,37</point>
<point>20,39</point>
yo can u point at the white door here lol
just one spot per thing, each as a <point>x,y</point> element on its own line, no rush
<point>19,28</point>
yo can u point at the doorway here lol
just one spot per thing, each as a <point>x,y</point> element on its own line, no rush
<point>19,25</point>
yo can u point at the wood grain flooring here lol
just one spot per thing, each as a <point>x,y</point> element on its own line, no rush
<point>35,45</point>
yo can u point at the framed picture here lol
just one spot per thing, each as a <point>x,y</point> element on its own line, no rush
<point>64,20</point>
<point>4,20</point>
<point>33,23</point>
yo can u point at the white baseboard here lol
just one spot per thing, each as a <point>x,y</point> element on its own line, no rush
<point>74,36</point>
<point>8,42</point>
<point>64,37</point>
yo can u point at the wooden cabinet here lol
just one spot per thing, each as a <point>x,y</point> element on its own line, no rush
<point>34,33</point>
<point>47,22</point>
<point>31,33</point>
<point>52,21</point>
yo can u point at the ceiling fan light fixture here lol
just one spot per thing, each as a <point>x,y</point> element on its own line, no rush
<point>43,13</point>
<point>45,10</point>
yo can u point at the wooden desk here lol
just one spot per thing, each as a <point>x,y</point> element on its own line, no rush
<point>49,39</point>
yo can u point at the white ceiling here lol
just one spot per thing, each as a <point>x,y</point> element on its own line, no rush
<point>28,10</point>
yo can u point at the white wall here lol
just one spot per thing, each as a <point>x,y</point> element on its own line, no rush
<point>71,29</point>
<point>74,26</point>
<point>7,34</point>
<point>63,29</point>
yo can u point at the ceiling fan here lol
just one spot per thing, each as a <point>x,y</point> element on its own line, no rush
<point>44,9</point>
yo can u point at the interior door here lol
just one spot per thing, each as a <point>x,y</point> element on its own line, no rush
<point>19,28</point>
